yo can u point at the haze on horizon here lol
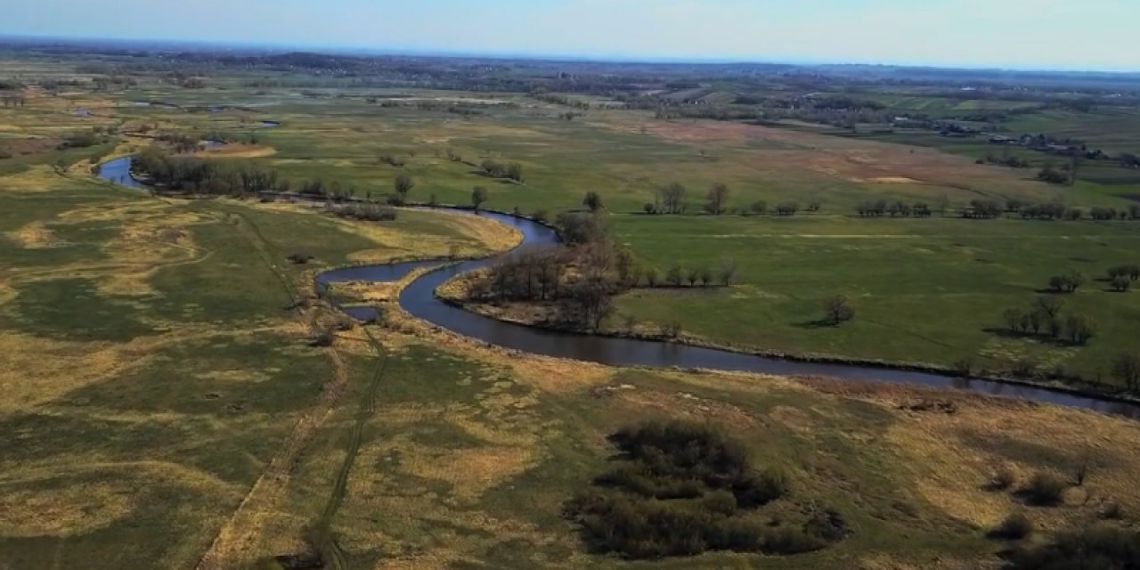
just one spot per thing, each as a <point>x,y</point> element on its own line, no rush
<point>1020,34</point>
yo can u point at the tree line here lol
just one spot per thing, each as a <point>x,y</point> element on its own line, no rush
<point>987,209</point>
<point>673,199</point>
<point>1045,317</point>
<point>189,174</point>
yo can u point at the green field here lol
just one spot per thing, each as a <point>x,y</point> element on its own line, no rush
<point>928,291</point>
<point>169,403</point>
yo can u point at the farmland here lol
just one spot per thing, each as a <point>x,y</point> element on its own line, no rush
<point>178,396</point>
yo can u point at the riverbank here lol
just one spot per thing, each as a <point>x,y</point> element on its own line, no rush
<point>455,293</point>
<point>621,348</point>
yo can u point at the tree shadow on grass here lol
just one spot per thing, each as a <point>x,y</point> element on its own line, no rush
<point>818,324</point>
<point>1043,338</point>
<point>1053,292</point>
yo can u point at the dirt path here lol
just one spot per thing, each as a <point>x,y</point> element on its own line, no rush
<point>234,546</point>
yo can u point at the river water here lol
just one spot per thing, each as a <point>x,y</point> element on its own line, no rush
<point>419,300</point>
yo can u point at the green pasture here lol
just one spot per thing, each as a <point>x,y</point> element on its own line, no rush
<point>929,291</point>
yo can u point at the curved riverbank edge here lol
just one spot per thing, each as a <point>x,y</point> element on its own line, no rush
<point>1073,389</point>
<point>1090,398</point>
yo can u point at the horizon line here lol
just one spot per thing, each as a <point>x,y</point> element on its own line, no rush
<point>360,50</point>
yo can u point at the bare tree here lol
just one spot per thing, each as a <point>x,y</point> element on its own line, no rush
<point>673,198</point>
<point>403,185</point>
<point>1127,370</point>
<point>592,201</point>
<point>651,277</point>
<point>838,310</point>
<point>717,197</point>
<point>727,272</point>
<point>478,197</point>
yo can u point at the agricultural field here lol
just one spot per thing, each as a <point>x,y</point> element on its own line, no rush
<point>179,396</point>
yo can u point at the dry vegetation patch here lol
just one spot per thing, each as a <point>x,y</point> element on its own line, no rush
<point>855,161</point>
<point>35,235</point>
<point>238,151</point>
<point>69,510</point>
<point>36,370</point>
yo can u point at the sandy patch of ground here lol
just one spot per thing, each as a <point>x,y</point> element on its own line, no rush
<point>238,151</point>
<point>35,235</point>
<point>366,291</point>
<point>891,180</point>
<point>7,293</point>
<point>471,472</point>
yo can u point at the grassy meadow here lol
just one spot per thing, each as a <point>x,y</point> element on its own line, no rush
<point>167,407</point>
<point>152,367</point>
<point>928,291</point>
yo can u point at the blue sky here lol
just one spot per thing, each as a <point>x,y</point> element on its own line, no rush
<point>1069,34</point>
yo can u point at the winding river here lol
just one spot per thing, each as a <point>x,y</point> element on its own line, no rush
<point>419,300</point>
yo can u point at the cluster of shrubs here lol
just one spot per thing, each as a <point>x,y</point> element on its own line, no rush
<point>1043,489</point>
<point>1045,318</point>
<point>1066,282</point>
<point>1047,211</point>
<point>1058,211</point>
<point>1103,214</point>
<point>84,139</point>
<point>984,209</point>
<point>179,142</point>
<point>496,169</point>
<point>682,490</point>
<point>1097,547</point>
<point>879,208</point>
<point>391,160</point>
<point>1005,160</point>
<point>364,211</point>
<point>1053,175</point>
<point>1121,277</point>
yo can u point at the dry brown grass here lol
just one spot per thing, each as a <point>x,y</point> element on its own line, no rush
<point>35,235</point>
<point>62,512</point>
<point>152,235</point>
<point>35,370</point>
<point>850,160</point>
<point>37,179</point>
<point>239,151</point>
<point>38,499</point>
<point>366,292</point>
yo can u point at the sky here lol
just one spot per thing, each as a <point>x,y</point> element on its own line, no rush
<point>1020,34</point>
